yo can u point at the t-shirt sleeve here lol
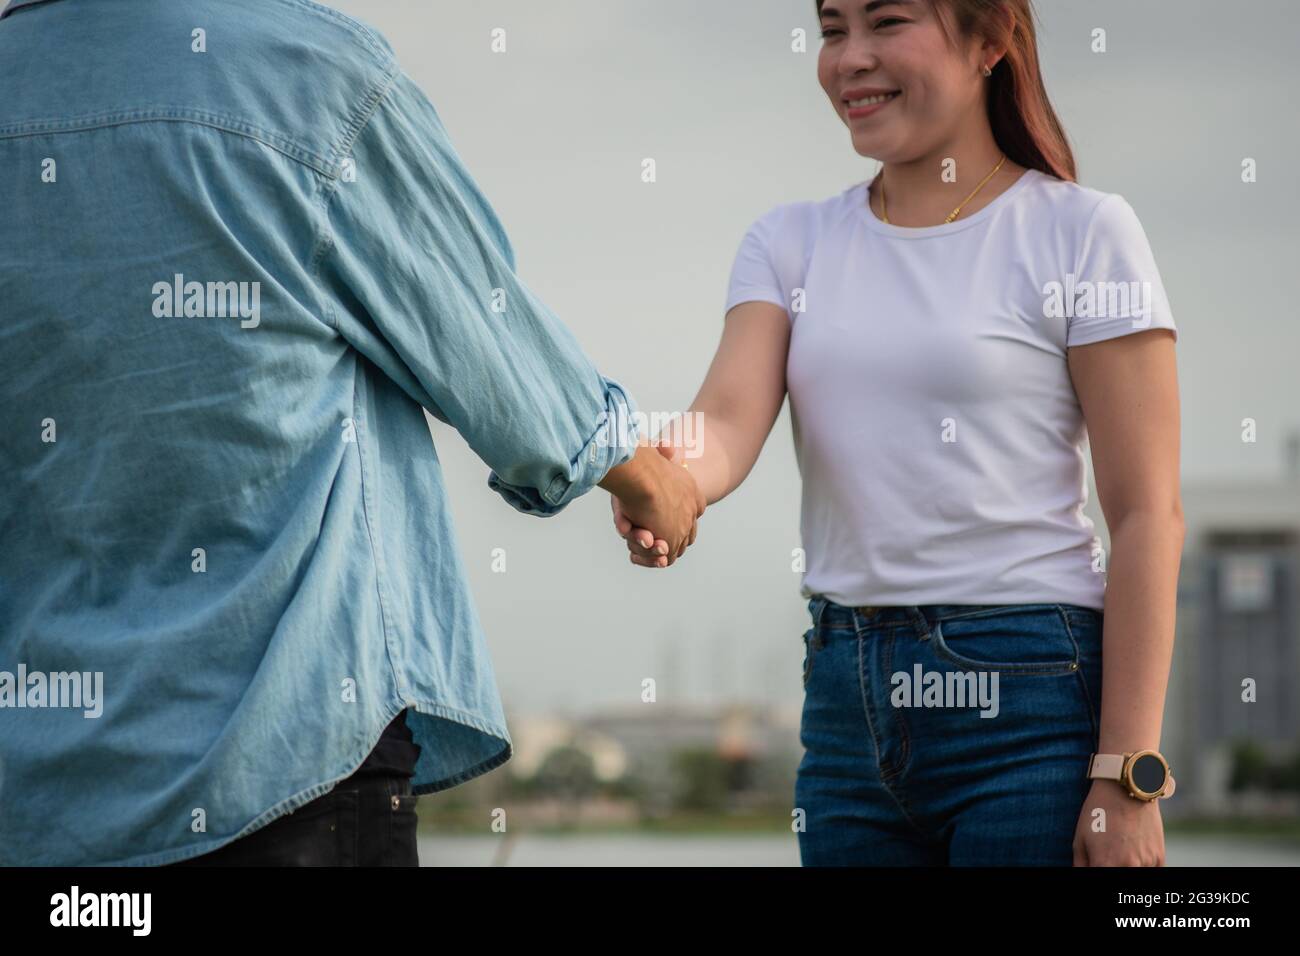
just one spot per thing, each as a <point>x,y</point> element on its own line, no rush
<point>755,275</point>
<point>1117,287</point>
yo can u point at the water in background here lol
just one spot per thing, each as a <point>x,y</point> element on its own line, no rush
<point>764,851</point>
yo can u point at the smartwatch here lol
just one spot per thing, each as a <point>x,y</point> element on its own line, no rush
<point>1144,773</point>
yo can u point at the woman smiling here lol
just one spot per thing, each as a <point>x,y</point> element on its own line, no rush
<point>942,403</point>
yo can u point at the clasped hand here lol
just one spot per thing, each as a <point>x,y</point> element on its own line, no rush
<point>661,523</point>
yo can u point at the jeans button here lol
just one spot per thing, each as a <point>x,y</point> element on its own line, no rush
<point>396,803</point>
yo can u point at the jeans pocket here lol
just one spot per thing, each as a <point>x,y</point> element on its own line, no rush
<point>1086,627</point>
<point>1023,639</point>
<point>319,833</point>
<point>403,844</point>
<point>345,826</point>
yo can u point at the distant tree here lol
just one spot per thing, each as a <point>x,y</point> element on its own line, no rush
<point>1253,769</point>
<point>567,773</point>
<point>1290,776</point>
<point>702,777</point>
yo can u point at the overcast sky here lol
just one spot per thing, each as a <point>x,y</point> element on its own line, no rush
<point>554,131</point>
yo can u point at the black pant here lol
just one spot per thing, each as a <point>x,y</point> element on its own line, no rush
<point>368,819</point>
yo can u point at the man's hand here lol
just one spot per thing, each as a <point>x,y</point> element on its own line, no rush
<point>646,548</point>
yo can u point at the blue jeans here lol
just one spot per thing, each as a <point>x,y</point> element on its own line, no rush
<point>946,734</point>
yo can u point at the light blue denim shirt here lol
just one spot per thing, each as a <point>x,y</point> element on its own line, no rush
<point>238,254</point>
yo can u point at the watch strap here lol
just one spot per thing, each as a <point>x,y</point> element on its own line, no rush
<point>1106,766</point>
<point>1111,767</point>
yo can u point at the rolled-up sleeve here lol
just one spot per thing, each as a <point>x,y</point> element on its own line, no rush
<point>423,277</point>
<point>613,443</point>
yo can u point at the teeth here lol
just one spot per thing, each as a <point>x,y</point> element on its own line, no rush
<point>870,100</point>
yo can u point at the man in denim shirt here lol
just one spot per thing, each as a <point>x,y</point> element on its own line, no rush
<point>240,255</point>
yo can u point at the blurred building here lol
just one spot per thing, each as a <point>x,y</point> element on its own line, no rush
<point>1237,620</point>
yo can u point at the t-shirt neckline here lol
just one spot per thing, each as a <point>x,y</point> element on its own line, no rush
<point>860,196</point>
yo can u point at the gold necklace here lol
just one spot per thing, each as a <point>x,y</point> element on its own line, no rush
<point>884,214</point>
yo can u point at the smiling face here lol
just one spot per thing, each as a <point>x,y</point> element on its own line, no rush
<point>892,76</point>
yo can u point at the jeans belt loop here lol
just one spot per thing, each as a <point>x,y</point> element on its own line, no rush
<point>819,610</point>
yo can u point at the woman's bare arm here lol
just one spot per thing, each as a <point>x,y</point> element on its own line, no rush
<point>733,413</point>
<point>740,399</point>
<point>1128,390</point>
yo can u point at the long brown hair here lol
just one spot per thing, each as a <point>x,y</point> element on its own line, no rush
<point>1024,124</point>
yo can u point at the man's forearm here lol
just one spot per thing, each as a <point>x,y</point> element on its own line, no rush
<point>630,480</point>
<point>1138,639</point>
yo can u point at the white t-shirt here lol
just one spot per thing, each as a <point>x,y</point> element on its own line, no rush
<point>936,427</point>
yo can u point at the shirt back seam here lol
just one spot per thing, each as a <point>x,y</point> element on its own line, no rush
<point>326,188</point>
<point>220,121</point>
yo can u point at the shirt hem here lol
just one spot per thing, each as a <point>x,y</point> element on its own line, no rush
<point>303,797</point>
<point>741,296</point>
<point>1104,333</point>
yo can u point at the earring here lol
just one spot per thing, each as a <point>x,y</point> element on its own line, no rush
<point>987,71</point>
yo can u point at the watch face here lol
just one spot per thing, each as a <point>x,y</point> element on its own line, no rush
<point>1148,773</point>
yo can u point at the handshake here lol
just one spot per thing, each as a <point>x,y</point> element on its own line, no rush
<point>657,504</point>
